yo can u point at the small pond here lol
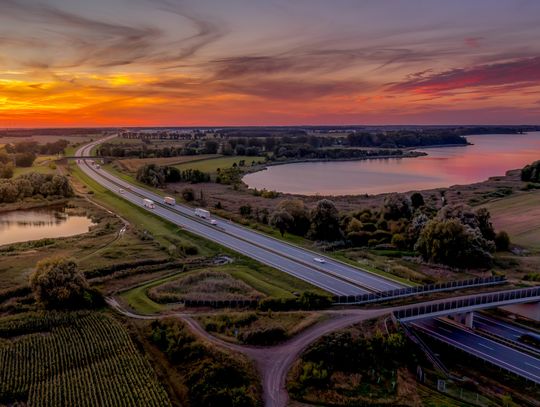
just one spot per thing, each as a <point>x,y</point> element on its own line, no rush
<point>35,224</point>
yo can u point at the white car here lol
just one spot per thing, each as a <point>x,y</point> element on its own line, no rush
<point>213,222</point>
<point>319,260</point>
<point>121,191</point>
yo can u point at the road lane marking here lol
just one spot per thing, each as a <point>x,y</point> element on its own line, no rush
<point>485,346</point>
<point>447,330</point>
<point>528,364</point>
<point>489,357</point>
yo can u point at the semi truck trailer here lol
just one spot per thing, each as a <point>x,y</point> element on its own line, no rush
<point>202,213</point>
<point>169,200</point>
<point>148,203</point>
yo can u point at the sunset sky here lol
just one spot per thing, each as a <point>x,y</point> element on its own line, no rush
<point>271,62</point>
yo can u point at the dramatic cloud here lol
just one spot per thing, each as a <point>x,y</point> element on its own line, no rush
<point>517,74</point>
<point>152,62</point>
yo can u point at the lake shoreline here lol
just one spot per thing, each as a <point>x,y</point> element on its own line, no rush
<point>27,205</point>
<point>435,167</point>
<point>263,167</point>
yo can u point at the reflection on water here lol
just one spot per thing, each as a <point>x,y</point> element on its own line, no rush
<point>22,226</point>
<point>491,155</point>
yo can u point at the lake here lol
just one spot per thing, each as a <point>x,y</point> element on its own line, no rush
<point>35,224</point>
<point>491,155</point>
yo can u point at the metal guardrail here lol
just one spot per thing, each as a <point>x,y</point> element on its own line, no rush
<point>478,300</point>
<point>423,289</point>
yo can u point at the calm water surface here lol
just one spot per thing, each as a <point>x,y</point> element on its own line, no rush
<point>22,226</point>
<point>491,155</point>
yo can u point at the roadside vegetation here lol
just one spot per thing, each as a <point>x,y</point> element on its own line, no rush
<point>258,328</point>
<point>375,363</point>
<point>199,374</point>
<point>244,284</point>
<point>364,364</point>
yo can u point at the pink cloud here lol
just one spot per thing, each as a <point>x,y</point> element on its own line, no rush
<point>473,42</point>
<point>520,74</point>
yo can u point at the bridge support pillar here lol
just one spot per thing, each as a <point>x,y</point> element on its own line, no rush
<point>469,319</point>
<point>466,319</point>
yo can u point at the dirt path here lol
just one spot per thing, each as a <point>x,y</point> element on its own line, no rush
<point>274,362</point>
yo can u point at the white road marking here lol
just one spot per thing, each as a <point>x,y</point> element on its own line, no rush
<point>485,346</point>
<point>447,330</point>
<point>528,364</point>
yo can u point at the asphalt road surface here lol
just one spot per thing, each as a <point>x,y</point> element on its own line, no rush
<point>500,355</point>
<point>503,329</point>
<point>331,275</point>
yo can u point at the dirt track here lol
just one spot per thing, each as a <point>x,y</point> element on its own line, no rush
<point>273,362</point>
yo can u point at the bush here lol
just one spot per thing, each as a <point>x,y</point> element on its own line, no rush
<point>502,241</point>
<point>188,194</point>
<point>531,172</point>
<point>264,336</point>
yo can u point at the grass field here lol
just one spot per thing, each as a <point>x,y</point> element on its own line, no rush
<point>262,279</point>
<point>49,139</point>
<point>519,215</point>
<point>74,359</point>
<point>133,164</point>
<point>44,164</point>
<point>211,165</point>
<point>211,284</point>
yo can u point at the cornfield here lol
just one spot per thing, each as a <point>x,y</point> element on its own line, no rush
<point>74,359</point>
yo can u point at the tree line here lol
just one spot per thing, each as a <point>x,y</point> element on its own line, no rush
<point>455,235</point>
<point>157,175</point>
<point>34,185</point>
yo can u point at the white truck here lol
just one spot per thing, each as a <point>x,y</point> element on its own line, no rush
<point>169,200</point>
<point>202,213</point>
<point>148,203</point>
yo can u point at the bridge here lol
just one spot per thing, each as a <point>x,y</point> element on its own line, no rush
<point>464,305</point>
<point>498,348</point>
<point>389,295</point>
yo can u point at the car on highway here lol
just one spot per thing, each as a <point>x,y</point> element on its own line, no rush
<point>121,191</point>
<point>319,260</point>
<point>213,222</point>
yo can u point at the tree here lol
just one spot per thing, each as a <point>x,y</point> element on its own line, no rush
<point>396,206</point>
<point>8,192</point>
<point>502,241</point>
<point>245,210</point>
<point>354,226</point>
<point>151,174</point>
<point>172,174</point>
<point>281,220</point>
<point>57,283</point>
<point>24,159</point>
<point>188,194</point>
<point>325,221</point>
<point>531,172</point>
<point>450,242</point>
<point>417,200</point>
<point>6,170</point>
<point>399,241</point>
<point>300,215</point>
<point>211,147</point>
<point>484,223</point>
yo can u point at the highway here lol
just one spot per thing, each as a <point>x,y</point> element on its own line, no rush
<point>500,355</point>
<point>333,276</point>
<point>502,329</point>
